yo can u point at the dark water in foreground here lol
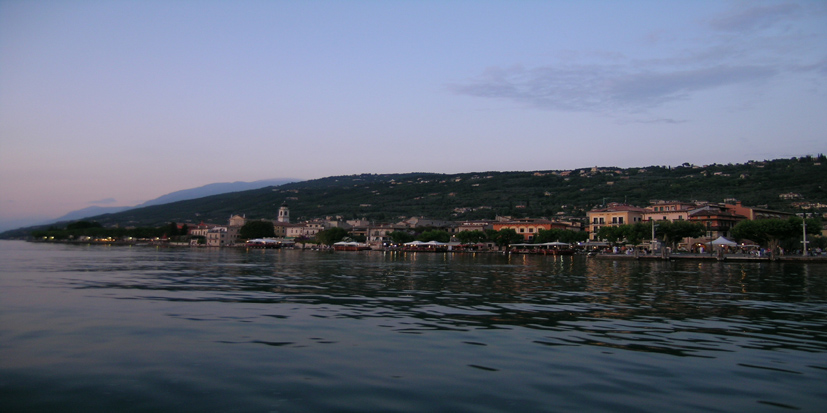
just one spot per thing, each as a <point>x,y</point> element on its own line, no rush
<point>92,328</point>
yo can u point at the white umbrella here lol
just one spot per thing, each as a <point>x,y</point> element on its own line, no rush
<point>723,241</point>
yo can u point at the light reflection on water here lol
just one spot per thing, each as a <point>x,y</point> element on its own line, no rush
<point>119,328</point>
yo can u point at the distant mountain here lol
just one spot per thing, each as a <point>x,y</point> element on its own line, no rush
<point>213,189</point>
<point>88,212</point>
<point>185,194</point>
<point>783,184</point>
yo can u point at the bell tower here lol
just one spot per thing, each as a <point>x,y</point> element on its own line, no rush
<point>284,213</point>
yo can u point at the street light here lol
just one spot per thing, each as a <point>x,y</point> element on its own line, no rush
<point>804,240</point>
<point>654,241</point>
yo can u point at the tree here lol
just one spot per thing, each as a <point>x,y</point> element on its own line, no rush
<point>471,237</point>
<point>562,235</point>
<point>675,231</point>
<point>400,237</point>
<point>331,236</point>
<point>257,229</point>
<point>435,235</point>
<point>768,232</point>
<point>507,236</point>
<point>762,231</point>
<point>638,232</point>
<point>612,233</point>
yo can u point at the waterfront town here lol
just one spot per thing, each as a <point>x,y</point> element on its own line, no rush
<point>716,219</point>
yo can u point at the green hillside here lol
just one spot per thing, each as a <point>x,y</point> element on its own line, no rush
<point>484,195</point>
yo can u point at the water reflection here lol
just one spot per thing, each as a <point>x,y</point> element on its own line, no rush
<point>266,330</point>
<point>679,308</point>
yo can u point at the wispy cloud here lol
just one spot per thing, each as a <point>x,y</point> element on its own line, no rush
<point>667,121</point>
<point>603,88</point>
<point>714,58</point>
<point>754,18</point>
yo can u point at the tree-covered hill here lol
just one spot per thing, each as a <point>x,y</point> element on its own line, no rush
<point>484,195</point>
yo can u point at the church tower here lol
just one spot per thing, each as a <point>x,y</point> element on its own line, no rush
<point>284,213</point>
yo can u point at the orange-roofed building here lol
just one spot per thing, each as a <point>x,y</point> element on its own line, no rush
<point>613,215</point>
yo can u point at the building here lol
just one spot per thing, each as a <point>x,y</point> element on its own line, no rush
<point>284,213</point>
<point>474,226</point>
<point>753,213</point>
<point>222,236</point>
<point>380,234</point>
<point>717,222</point>
<point>419,222</point>
<point>613,215</point>
<point>304,230</point>
<point>237,221</point>
<point>201,230</point>
<point>668,211</point>
<point>528,227</point>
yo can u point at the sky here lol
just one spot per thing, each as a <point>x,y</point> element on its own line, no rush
<point>113,103</point>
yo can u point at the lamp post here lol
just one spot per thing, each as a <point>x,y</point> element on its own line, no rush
<point>804,239</point>
<point>654,241</point>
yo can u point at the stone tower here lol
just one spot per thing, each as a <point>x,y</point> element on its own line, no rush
<point>284,213</point>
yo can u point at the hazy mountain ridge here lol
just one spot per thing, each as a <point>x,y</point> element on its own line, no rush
<point>184,194</point>
<point>484,195</point>
<point>213,189</point>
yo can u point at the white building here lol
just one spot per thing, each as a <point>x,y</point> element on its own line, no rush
<point>284,214</point>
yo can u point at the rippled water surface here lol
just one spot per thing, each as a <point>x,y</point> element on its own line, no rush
<point>95,328</point>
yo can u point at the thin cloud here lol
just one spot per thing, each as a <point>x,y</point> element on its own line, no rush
<point>712,59</point>
<point>667,121</point>
<point>603,88</point>
<point>754,18</point>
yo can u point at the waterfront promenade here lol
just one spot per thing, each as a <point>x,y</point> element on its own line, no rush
<point>713,257</point>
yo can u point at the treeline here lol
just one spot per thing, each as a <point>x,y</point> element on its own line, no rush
<point>771,233</point>
<point>784,233</point>
<point>669,232</point>
<point>81,229</point>
<point>503,237</point>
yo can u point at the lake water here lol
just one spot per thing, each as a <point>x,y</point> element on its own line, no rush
<point>134,329</point>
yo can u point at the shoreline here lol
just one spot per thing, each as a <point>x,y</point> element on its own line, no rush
<point>708,257</point>
<point>732,258</point>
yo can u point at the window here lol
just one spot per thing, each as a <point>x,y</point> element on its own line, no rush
<point>522,230</point>
<point>531,230</point>
<point>620,220</point>
<point>602,221</point>
<point>594,221</point>
<point>614,220</point>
